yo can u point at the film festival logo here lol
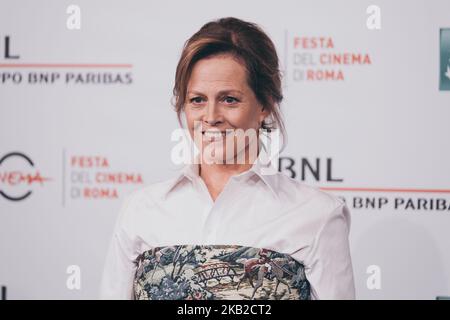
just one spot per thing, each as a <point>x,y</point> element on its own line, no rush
<point>444,79</point>
<point>18,176</point>
<point>13,71</point>
<point>232,146</point>
<point>319,58</point>
<point>94,177</point>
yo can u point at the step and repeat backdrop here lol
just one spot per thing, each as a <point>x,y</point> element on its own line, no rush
<point>86,118</point>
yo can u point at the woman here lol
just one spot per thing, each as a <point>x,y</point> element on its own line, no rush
<point>228,227</point>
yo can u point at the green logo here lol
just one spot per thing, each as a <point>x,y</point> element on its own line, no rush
<point>444,76</point>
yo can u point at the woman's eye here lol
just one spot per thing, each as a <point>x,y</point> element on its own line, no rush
<point>196,100</point>
<point>230,100</point>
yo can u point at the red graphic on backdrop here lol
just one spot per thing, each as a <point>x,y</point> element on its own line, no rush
<point>14,178</point>
<point>11,180</point>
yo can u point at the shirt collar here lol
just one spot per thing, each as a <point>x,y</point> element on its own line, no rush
<point>263,168</point>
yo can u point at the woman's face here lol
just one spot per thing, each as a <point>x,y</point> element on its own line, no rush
<point>219,99</point>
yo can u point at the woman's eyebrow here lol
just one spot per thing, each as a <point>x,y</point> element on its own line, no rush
<point>222,92</point>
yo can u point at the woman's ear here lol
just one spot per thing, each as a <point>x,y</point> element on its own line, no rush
<point>264,113</point>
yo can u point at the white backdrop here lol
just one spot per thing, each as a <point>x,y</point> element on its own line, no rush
<point>377,126</point>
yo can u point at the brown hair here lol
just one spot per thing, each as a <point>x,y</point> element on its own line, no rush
<point>247,42</point>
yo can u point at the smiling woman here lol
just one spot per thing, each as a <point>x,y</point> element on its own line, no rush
<point>219,101</point>
<point>230,228</point>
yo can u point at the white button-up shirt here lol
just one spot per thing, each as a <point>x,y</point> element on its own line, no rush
<point>254,209</point>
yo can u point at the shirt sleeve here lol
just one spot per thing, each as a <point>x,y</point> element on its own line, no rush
<point>329,266</point>
<point>119,268</point>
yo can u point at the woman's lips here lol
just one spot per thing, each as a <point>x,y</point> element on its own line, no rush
<point>214,135</point>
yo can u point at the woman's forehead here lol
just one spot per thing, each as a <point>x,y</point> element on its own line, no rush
<point>218,73</point>
<point>222,68</point>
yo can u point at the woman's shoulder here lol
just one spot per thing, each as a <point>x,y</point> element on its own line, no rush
<point>297,192</point>
<point>151,192</point>
<point>313,205</point>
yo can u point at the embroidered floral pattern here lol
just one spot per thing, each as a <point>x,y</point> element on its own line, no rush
<point>218,272</point>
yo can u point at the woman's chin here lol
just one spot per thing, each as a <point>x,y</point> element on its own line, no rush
<point>213,156</point>
<point>219,156</point>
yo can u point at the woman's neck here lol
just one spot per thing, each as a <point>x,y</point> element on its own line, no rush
<point>216,176</point>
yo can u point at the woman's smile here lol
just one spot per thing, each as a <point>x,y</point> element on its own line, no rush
<point>216,135</point>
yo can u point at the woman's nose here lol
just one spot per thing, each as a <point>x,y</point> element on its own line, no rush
<point>212,116</point>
